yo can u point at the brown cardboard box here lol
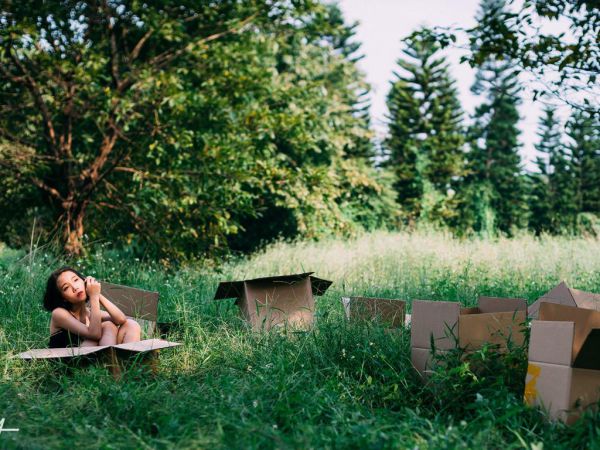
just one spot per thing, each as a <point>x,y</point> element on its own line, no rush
<point>447,324</point>
<point>137,304</point>
<point>564,295</point>
<point>390,312</point>
<point>285,300</point>
<point>563,374</point>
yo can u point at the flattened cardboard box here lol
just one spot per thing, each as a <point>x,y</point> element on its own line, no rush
<point>285,300</point>
<point>448,324</point>
<point>564,295</point>
<point>563,374</point>
<point>389,312</point>
<point>137,304</point>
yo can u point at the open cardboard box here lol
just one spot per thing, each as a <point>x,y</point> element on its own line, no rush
<point>447,325</point>
<point>389,312</point>
<point>286,300</point>
<point>137,304</point>
<point>564,295</point>
<point>563,374</point>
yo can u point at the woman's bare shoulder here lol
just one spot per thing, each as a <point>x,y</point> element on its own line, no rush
<point>59,312</point>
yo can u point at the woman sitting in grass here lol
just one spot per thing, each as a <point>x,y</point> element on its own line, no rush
<point>74,324</point>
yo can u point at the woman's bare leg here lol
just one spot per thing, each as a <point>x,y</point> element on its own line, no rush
<point>130,331</point>
<point>109,334</point>
<point>88,343</point>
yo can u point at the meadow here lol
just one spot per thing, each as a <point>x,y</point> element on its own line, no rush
<point>340,385</point>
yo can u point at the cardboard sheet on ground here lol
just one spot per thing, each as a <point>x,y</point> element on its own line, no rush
<point>564,295</point>
<point>494,321</point>
<point>285,300</point>
<point>388,312</point>
<point>563,375</point>
<point>137,304</point>
<point>146,345</point>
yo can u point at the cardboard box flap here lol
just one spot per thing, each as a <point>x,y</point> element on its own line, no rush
<point>534,309</point>
<point>587,300</point>
<point>235,289</point>
<point>146,345</point>
<point>584,319</point>
<point>469,310</point>
<point>319,286</point>
<point>551,342</point>
<point>560,292</point>
<point>497,304</point>
<point>589,355</point>
<point>346,305</point>
<point>564,295</point>
<point>134,302</point>
<point>434,319</point>
<point>229,289</point>
<point>58,353</point>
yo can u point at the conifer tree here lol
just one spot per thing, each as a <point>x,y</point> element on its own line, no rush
<point>493,161</point>
<point>425,142</point>
<point>583,131</point>
<point>543,189</point>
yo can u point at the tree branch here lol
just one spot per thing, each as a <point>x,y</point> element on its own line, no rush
<point>138,47</point>
<point>37,95</point>
<point>50,190</point>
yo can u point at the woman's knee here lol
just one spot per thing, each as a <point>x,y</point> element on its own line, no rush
<point>109,333</point>
<point>130,331</point>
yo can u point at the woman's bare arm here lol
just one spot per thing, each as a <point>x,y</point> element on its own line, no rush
<point>63,319</point>
<point>116,315</point>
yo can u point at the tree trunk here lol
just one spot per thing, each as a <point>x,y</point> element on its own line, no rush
<point>73,227</point>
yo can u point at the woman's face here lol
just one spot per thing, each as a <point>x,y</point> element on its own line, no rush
<point>71,287</point>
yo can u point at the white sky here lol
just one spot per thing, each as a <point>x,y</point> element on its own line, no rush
<point>382,25</point>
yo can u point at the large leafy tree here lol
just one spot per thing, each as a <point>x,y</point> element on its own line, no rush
<point>425,132</point>
<point>194,122</point>
<point>83,86</point>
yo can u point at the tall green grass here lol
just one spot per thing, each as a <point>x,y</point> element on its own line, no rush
<point>339,386</point>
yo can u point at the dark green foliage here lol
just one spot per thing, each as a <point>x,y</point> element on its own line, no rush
<point>553,203</point>
<point>583,130</point>
<point>171,127</point>
<point>425,132</point>
<point>493,181</point>
<point>525,33</point>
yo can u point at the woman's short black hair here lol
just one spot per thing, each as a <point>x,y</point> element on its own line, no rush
<point>53,297</point>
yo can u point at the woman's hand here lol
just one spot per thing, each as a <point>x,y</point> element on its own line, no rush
<point>92,287</point>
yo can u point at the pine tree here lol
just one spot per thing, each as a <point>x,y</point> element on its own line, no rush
<point>551,164</point>
<point>425,139</point>
<point>583,130</point>
<point>494,164</point>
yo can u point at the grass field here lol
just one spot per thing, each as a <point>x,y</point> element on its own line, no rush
<point>339,386</point>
